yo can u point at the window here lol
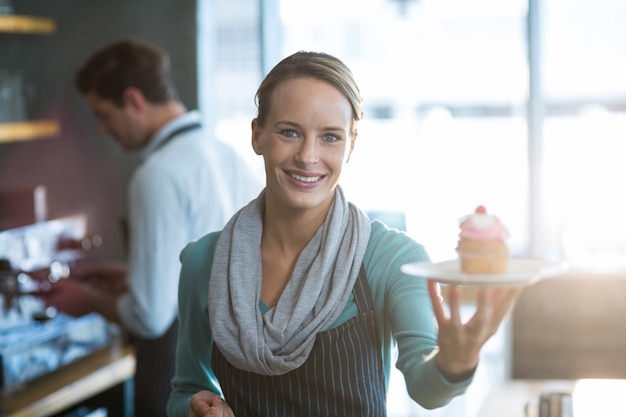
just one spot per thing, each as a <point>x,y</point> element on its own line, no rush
<point>446,89</point>
<point>444,85</point>
<point>584,134</point>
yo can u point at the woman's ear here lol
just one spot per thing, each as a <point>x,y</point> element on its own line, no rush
<point>256,132</point>
<point>352,141</point>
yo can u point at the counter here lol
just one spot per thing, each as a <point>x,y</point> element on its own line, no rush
<point>591,397</point>
<point>73,384</point>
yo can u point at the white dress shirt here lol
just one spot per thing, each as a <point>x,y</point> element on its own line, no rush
<point>185,187</point>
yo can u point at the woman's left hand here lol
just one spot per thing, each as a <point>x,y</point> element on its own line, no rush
<point>460,343</point>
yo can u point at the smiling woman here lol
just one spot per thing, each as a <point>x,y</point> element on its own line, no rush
<point>447,87</point>
<point>305,144</point>
<point>301,277</point>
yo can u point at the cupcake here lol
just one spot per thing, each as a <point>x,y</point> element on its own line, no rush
<point>482,244</point>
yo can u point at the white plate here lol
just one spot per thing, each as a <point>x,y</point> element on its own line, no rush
<point>520,272</point>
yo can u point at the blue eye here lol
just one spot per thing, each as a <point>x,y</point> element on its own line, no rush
<point>289,133</point>
<point>331,138</point>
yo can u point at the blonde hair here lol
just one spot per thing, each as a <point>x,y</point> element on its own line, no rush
<point>317,65</point>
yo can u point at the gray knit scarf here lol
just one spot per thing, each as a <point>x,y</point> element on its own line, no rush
<point>281,339</point>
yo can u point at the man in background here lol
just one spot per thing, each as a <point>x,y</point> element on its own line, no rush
<point>186,185</point>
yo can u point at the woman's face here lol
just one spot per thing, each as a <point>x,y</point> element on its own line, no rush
<point>305,143</point>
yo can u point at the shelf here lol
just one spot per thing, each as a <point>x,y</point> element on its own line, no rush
<point>23,131</point>
<point>26,24</point>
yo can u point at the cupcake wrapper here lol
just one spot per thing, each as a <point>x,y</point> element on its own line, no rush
<point>480,263</point>
<point>483,255</point>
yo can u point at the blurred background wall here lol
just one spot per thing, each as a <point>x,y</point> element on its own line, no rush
<point>84,171</point>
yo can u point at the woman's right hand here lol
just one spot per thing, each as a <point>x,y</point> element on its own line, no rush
<point>208,404</point>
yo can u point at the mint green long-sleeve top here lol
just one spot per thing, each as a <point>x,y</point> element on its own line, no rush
<point>403,310</point>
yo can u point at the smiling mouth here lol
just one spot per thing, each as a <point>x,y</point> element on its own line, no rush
<point>306,179</point>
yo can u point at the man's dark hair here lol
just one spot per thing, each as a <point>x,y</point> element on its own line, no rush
<point>128,63</point>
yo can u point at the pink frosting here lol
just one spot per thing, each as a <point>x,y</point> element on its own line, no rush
<point>482,226</point>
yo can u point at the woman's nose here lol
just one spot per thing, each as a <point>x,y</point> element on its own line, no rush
<point>308,152</point>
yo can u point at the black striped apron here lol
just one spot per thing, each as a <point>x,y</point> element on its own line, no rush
<point>343,375</point>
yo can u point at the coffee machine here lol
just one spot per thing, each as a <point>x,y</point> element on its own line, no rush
<point>36,340</point>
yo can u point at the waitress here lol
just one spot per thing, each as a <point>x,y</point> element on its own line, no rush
<point>294,307</point>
